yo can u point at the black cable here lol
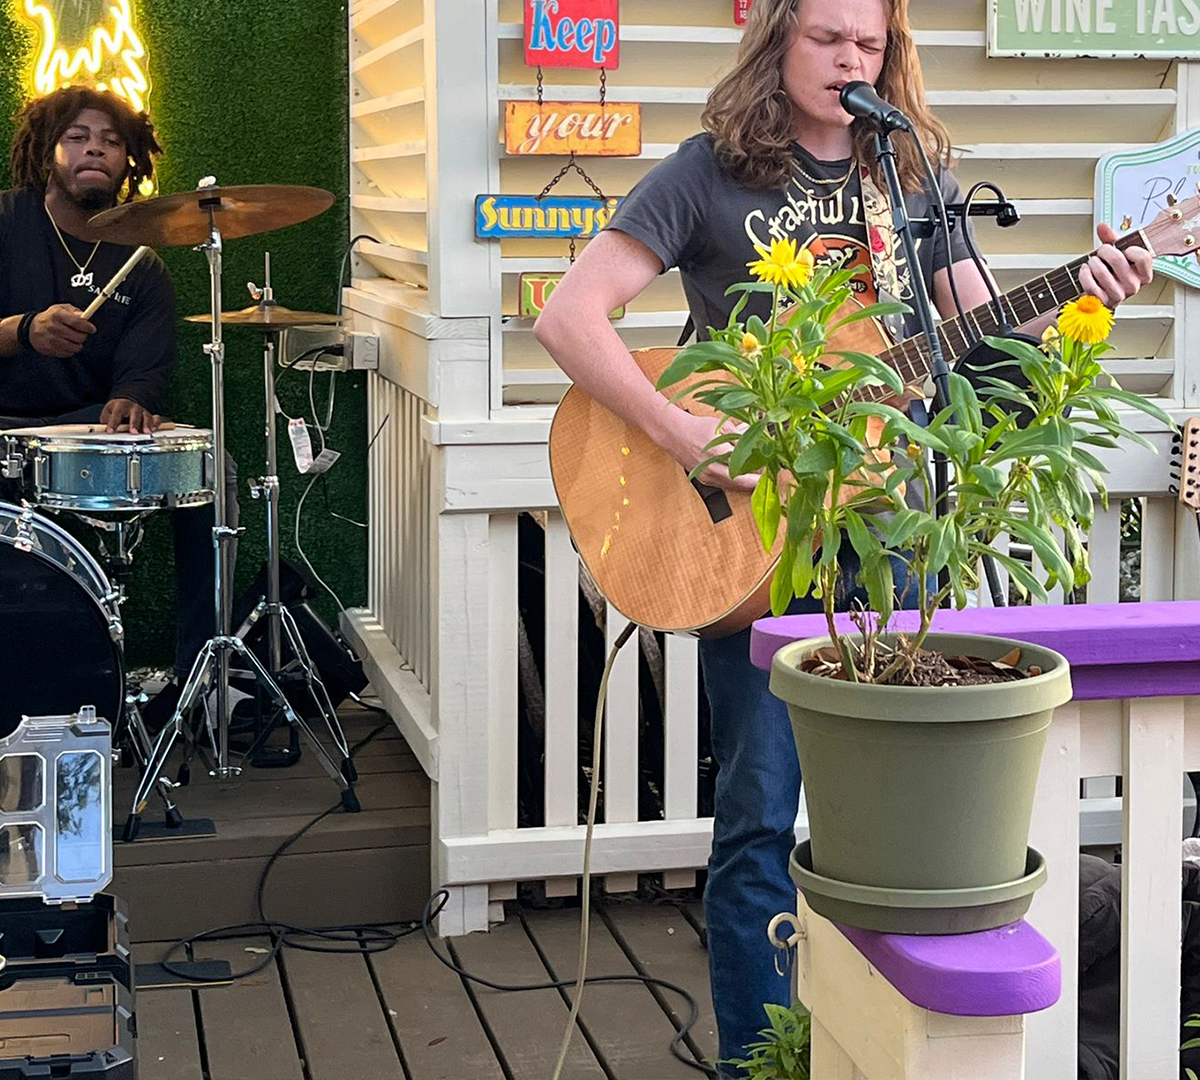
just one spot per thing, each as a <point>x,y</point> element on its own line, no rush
<point>1006,328</point>
<point>346,258</point>
<point>943,224</point>
<point>442,897</point>
<point>375,938</point>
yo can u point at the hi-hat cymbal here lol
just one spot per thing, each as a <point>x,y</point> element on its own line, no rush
<point>182,220</point>
<point>270,317</point>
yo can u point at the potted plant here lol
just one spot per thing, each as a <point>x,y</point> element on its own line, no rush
<point>920,751</point>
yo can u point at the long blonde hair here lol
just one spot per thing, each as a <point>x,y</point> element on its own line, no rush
<point>750,115</point>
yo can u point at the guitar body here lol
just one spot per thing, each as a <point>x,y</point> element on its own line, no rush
<point>667,554</point>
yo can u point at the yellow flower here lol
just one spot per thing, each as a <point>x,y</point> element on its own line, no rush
<point>750,344</point>
<point>782,265</point>
<point>1086,320</point>
<point>1051,335</point>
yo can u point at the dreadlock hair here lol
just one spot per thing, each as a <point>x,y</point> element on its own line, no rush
<point>43,121</point>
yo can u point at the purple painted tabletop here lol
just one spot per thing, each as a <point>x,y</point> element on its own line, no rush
<point>1115,650</point>
<point>1006,972</point>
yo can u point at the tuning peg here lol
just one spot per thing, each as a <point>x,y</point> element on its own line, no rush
<point>1171,200</point>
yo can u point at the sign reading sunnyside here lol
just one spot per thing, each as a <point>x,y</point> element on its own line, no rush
<point>562,216</point>
<point>1104,28</point>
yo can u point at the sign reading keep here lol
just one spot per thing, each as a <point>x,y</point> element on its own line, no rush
<point>573,33</point>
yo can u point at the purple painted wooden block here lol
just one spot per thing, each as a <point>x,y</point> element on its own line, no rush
<point>1115,650</point>
<point>1006,972</point>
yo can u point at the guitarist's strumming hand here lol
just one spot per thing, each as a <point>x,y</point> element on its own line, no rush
<point>685,437</point>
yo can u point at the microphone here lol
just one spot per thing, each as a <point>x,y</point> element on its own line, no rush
<point>860,100</point>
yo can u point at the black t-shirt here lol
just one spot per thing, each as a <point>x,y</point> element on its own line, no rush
<point>693,215</point>
<point>131,353</point>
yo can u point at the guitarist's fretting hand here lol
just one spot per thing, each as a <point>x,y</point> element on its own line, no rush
<point>1113,275</point>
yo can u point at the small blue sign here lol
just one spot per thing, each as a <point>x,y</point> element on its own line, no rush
<point>501,216</point>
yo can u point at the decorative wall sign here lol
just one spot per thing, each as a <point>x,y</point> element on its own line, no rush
<point>564,127</point>
<point>573,33</point>
<point>1104,28</point>
<point>555,216</point>
<point>741,11</point>
<point>90,43</point>
<point>1132,188</point>
<point>536,289</point>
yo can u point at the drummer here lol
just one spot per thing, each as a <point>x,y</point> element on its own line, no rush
<point>76,152</point>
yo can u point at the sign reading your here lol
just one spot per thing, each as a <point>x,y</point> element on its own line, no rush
<point>573,127</point>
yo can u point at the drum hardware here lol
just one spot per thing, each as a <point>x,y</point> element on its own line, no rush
<point>203,219</point>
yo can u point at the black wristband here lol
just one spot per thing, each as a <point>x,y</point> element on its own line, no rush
<point>23,331</point>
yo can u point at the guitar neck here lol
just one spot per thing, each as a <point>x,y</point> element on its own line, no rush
<point>1021,305</point>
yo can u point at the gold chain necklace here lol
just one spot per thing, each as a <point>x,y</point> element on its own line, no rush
<point>842,183</point>
<point>817,180</point>
<point>83,279</point>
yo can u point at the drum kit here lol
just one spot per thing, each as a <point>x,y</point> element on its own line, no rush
<point>65,608</point>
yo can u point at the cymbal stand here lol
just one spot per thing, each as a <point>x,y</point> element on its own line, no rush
<point>129,733</point>
<point>280,622</point>
<point>211,668</point>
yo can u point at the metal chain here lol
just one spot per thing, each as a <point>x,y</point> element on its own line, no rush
<point>603,86</point>
<point>539,85</point>
<point>572,250</point>
<point>572,164</point>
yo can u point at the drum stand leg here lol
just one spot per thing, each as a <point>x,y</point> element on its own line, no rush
<point>140,746</point>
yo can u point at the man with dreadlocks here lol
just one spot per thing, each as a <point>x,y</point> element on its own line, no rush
<point>77,152</point>
<point>779,159</point>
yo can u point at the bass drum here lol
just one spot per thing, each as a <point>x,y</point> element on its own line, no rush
<point>60,627</point>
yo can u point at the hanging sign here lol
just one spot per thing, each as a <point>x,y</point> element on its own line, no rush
<point>555,216</point>
<point>741,11</point>
<point>1102,28</point>
<point>1132,187</point>
<point>573,33</point>
<point>573,127</point>
<point>536,289</point>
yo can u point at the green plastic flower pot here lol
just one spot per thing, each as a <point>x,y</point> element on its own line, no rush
<point>921,796</point>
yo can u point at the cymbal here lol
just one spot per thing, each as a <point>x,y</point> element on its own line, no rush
<point>269,317</point>
<point>182,219</point>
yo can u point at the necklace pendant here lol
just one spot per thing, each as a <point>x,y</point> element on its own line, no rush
<point>82,281</point>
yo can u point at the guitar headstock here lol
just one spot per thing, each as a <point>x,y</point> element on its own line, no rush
<point>1176,230</point>
<point>1187,461</point>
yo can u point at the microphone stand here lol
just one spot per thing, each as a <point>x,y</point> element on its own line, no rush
<point>885,154</point>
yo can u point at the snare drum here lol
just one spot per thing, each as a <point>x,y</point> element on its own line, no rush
<point>62,646</point>
<point>83,467</point>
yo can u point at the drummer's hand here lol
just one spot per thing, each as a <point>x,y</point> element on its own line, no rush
<point>123,411</point>
<point>60,331</point>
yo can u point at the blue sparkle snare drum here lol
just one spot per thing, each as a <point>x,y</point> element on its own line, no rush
<point>84,468</point>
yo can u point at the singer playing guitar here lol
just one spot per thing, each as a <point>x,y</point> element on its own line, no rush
<point>779,158</point>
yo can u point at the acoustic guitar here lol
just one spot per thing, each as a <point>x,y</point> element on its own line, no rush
<point>1187,461</point>
<point>679,556</point>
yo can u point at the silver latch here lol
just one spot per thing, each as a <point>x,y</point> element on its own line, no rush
<point>133,479</point>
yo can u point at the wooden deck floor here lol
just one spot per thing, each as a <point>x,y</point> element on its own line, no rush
<point>367,867</point>
<point>402,1015</point>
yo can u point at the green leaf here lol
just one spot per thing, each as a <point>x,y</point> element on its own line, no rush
<point>819,457</point>
<point>875,311</point>
<point>861,537</point>
<point>747,443</point>
<point>802,571</point>
<point>733,399</point>
<point>903,526</point>
<point>876,575</point>
<point>941,543</point>
<point>781,583</point>
<point>765,504</point>
<point>873,367</point>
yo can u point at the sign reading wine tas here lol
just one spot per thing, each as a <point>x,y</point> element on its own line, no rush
<point>536,289</point>
<point>1101,28</point>
<point>559,217</point>
<point>573,127</point>
<point>573,33</point>
<point>741,11</point>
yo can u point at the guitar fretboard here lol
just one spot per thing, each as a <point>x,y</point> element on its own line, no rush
<point>1021,305</point>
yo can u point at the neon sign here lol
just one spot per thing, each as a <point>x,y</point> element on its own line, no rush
<point>94,44</point>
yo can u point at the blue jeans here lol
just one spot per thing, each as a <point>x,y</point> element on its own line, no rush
<point>756,800</point>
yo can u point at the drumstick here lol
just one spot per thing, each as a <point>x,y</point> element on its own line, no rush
<point>118,277</point>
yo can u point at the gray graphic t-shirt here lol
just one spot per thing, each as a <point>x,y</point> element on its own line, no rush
<point>692,215</point>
